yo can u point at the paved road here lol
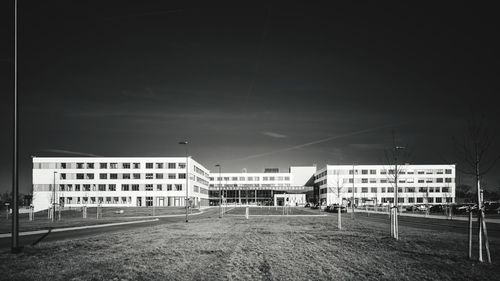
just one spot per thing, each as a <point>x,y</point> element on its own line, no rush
<point>456,226</point>
<point>5,243</point>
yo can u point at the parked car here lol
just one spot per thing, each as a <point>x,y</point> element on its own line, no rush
<point>334,208</point>
<point>307,205</point>
<point>461,209</point>
<point>411,208</point>
<point>421,208</point>
<point>492,208</point>
<point>437,209</point>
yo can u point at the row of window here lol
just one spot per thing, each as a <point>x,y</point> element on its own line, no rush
<point>114,165</point>
<point>287,178</point>
<point>412,200</point>
<point>118,176</point>
<point>391,180</point>
<point>110,187</point>
<point>247,186</point>
<point>385,172</point>
<point>426,189</point>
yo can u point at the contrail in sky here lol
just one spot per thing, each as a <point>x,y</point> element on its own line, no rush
<point>69,152</point>
<point>314,142</point>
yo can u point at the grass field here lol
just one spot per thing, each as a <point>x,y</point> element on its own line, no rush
<point>73,217</point>
<point>261,248</point>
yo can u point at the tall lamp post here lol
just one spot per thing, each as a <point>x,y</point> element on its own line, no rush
<point>187,178</point>
<point>353,187</point>
<point>220,191</point>
<point>15,248</point>
<point>54,198</point>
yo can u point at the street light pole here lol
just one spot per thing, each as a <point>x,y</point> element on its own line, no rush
<point>15,167</point>
<point>352,203</point>
<point>187,178</point>
<point>220,191</point>
<point>54,198</point>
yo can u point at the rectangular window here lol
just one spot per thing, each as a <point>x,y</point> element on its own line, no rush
<point>113,176</point>
<point>373,172</point>
<point>126,176</point>
<point>448,180</point>
<point>90,165</point>
<point>182,165</point>
<point>103,165</point>
<point>137,176</point>
<point>171,165</point>
<point>169,187</point>
<point>159,187</point>
<point>439,180</point>
<point>113,165</point>
<point>135,187</point>
<point>448,171</point>
<point>171,176</point>
<point>63,176</point>
<point>103,176</point>
<point>364,190</point>
<point>159,165</point>
<point>364,172</point>
<point>149,165</point>
<point>125,187</point>
<point>79,165</point>
<point>149,176</point>
<point>420,200</point>
<point>430,200</point>
<point>80,176</point>
<point>126,165</point>
<point>137,165</point>
<point>374,190</point>
<point>178,187</point>
<point>159,176</point>
<point>102,187</point>
<point>390,189</point>
<point>382,190</point>
<point>149,187</point>
<point>182,176</point>
<point>364,180</point>
<point>86,187</point>
<point>112,187</point>
<point>63,165</point>
<point>90,176</point>
<point>77,187</point>
<point>439,200</point>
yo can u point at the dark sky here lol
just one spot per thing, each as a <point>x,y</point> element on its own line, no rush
<point>249,86</point>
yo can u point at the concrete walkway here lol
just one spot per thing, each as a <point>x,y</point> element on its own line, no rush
<point>151,219</point>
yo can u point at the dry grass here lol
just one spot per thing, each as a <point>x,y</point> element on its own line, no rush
<point>261,248</point>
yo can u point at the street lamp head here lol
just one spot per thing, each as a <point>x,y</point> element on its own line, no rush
<point>183,142</point>
<point>399,147</point>
<point>217,165</point>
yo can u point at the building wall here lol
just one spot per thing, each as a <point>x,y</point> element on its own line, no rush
<point>119,182</point>
<point>374,184</point>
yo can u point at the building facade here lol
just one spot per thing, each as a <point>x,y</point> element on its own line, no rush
<point>118,182</point>
<point>163,181</point>
<point>261,188</point>
<point>375,184</point>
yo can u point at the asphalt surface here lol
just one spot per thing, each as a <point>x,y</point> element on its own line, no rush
<point>5,243</point>
<point>455,226</point>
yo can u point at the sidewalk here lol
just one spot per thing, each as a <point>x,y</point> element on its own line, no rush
<point>474,218</point>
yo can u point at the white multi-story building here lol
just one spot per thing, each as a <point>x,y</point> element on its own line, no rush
<point>162,181</point>
<point>375,184</point>
<point>118,181</point>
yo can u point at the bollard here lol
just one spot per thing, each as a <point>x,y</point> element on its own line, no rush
<point>246,213</point>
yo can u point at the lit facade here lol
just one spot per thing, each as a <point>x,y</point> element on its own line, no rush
<point>118,182</point>
<point>375,184</point>
<point>162,181</point>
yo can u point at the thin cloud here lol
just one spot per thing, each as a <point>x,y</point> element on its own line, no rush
<point>69,152</point>
<point>315,142</point>
<point>274,135</point>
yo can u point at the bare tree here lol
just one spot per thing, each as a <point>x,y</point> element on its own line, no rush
<point>474,151</point>
<point>337,189</point>
<point>393,156</point>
